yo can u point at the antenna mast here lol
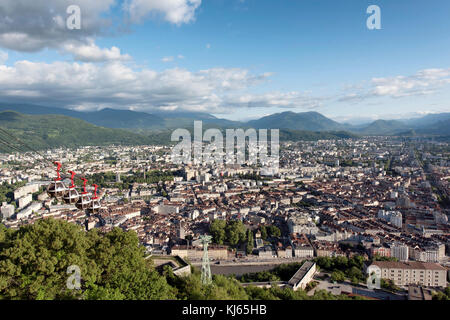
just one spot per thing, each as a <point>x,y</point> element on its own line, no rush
<point>206,269</point>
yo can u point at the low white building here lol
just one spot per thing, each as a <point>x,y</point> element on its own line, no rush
<point>25,213</point>
<point>7,210</point>
<point>24,201</point>
<point>303,276</point>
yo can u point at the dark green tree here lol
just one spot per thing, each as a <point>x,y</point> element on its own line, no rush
<point>235,232</point>
<point>217,230</point>
<point>263,232</point>
<point>34,261</point>
<point>338,276</point>
<point>249,241</point>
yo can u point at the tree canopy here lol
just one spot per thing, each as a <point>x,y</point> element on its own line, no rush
<point>34,262</point>
<point>232,231</point>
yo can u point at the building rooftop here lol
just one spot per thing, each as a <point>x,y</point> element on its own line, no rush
<point>298,276</point>
<point>408,265</point>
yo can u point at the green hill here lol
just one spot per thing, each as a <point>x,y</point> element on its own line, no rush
<point>296,135</point>
<point>441,128</point>
<point>50,131</point>
<point>384,127</point>
<point>306,121</point>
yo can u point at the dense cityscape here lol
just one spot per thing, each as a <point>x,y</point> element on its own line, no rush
<point>382,199</point>
<point>229,159</point>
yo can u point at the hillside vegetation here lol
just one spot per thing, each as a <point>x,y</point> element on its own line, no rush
<point>50,131</point>
<point>34,261</point>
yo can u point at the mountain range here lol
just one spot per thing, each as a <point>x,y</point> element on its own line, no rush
<point>303,121</point>
<point>49,131</point>
<point>46,131</point>
<point>50,126</point>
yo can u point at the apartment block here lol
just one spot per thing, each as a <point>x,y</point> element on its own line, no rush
<point>411,273</point>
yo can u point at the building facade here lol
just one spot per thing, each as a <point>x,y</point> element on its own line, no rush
<point>413,273</point>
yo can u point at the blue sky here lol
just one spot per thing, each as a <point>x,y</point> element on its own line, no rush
<point>238,59</point>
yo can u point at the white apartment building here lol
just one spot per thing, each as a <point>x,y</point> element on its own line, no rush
<point>400,251</point>
<point>412,272</point>
<point>7,210</point>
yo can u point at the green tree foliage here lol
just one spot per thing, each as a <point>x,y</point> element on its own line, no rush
<point>273,231</point>
<point>438,295</point>
<point>277,293</point>
<point>249,241</point>
<point>7,191</point>
<point>282,272</point>
<point>231,232</point>
<point>222,288</point>
<point>217,230</point>
<point>351,268</point>
<point>263,232</point>
<point>311,285</point>
<point>262,276</point>
<point>381,258</point>
<point>355,273</point>
<point>34,261</point>
<point>338,276</point>
<point>50,131</point>
<point>235,232</point>
<point>35,258</point>
<point>389,285</point>
<point>256,293</point>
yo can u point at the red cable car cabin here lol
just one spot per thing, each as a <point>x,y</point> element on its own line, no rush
<point>94,207</point>
<point>57,188</point>
<point>71,196</point>
<point>84,200</point>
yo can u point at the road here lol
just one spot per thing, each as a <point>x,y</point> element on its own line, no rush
<point>339,288</point>
<point>245,266</point>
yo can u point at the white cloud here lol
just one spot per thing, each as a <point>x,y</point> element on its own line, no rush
<point>90,52</point>
<point>167,59</point>
<point>114,84</point>
<point>423,82</point>
<point>208,46</point>
<point>292,100</point>
<point>173,11</point>
<point>34,25</point>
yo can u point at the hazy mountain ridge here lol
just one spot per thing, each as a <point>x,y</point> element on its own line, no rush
<point>50,131</point>
<point>146,123</point>
<point>309,121</point>
<point>120,119</point>
<point>382,127</point>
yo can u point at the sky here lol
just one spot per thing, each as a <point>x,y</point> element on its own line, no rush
<point>236,59</point>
